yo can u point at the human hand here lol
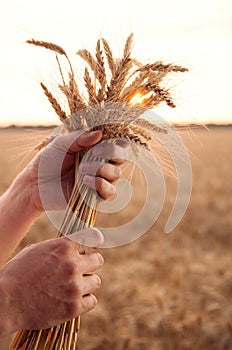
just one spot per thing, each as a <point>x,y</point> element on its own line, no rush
<point>58,169</point>
<point>49,283</point>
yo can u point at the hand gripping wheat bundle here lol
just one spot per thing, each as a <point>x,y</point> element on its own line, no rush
<point>117,93</point>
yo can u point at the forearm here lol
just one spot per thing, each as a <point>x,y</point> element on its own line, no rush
<point>8,321</point>
<point>16,216</point>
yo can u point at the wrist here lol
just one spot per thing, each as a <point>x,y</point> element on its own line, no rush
<point>22,193</point>
<point>16,216</point>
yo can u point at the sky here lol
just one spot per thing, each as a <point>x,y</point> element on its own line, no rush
<point>196,34</point>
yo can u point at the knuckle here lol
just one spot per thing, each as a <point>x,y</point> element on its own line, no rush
<point>54,246</point>
<point>77,289</point>
<point>71,268</point>
<point>77,309</point>
<point>99,184</point>
<point>74,292</point>
<point>64,245</point>
<point>73,309</point>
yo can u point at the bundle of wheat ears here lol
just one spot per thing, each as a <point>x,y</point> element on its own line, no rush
<point>117,93</point>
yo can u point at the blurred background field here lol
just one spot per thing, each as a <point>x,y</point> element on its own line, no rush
<point>162,292</point>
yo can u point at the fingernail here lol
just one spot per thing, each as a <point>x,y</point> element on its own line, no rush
<point>88,180</point>
<point>100,257</point>
<point>84,167</point>
<point>113,190</point>
<point>94,132</point>
<point>98,236</point>
<point>98,281</point>
<point>90,237</point>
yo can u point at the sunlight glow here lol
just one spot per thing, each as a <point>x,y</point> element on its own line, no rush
<point>137,99</point>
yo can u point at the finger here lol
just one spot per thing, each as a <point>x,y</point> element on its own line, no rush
<point>85,139</point>
<point>105,189</point>
<point>107,171</point>
<point>89,302</point>
<point>91,283</point>
<point>90,263</point>
<point>65,142</point>
<point>110,151</point>
<point>89,237</point>
<point>76,140</point>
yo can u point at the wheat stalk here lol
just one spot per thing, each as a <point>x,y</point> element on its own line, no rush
<point>55,104</point>
<point>114,108</point>
<point>109,56</point>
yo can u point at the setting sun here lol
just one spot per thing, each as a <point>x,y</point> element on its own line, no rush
<point>137,99</point>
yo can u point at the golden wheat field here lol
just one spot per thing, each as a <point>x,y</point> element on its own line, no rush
<point>161,292</point>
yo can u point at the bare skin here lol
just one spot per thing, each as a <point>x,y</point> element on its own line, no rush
<point>49,283</point>
<point>21,204</point>
<point>46,283</point>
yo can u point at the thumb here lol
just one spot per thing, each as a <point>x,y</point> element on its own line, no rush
<point>88,237</point>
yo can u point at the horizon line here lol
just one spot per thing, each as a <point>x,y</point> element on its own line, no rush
<point>47,126</point>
